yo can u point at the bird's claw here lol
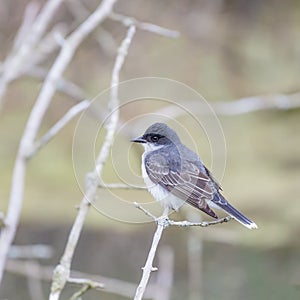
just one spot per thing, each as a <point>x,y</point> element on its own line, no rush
<point>163,221</point>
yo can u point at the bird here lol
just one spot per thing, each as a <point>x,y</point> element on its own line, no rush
<point>174,175</point>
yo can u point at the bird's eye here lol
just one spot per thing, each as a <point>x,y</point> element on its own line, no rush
<point>154,138</point>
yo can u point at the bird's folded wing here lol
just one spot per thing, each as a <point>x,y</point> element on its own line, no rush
<point>188,184</point>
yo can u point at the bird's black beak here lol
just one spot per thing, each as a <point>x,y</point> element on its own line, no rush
<point>139,140</point>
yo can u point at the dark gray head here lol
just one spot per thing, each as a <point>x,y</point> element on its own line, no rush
<point>158,134</point>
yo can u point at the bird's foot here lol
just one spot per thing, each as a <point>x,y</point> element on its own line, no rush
<point>163,221</point>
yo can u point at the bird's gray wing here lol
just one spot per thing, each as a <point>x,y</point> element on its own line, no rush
<point>213,179</point>
<point>189,184</point>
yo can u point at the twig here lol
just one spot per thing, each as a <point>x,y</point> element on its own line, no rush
<point>62,271</point>
<point>78,294</point>
<point>128,21</point>
<point>30,13</point>
<point>53,131</point>
<point>15,62</point>
<point>48,45</point>
<point>236,107</point>
<point>93,284</point>
<point>146,212</point>
<point>164,279</point>
<point>162,223</point>
<point>200,224</point>
<point>104,38</point>
<point>120,186</point>
<point>147,269</point>
<point>167,222</point>
<point>257,103</point>
<point>195,259</point>
<point>87,285</point>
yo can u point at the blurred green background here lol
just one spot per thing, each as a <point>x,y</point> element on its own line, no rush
<point>227,50</point>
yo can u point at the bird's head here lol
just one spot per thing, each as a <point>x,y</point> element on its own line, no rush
<point>157,136</point>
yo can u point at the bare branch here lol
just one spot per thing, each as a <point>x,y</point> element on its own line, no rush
<point>164,220</point>
<point>30,13</point>
<point>128,21</point>
<point>38,111</point>
<point>15,62</point>
<point>93,284</point>
<point>120,186</point>
<point>146,212</point>
<point>195,258</point>
<point>148,268</point>
<point>81,292</point>
<point>164,279</point>
<point>236,107</point>
<point>62,271</point>
<point>53,131</point>
<point>104,38</point>
<point>162,223</point>
<point>200,224</point>
<point>257,103</point>
<point>87,285</point>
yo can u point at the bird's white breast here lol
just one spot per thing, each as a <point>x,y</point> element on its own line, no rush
<point>164,197</point>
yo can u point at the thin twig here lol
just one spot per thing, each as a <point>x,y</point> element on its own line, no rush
<point>87,284</point>
<point>128,21</point>
<point>104,38</point>
<point>62,271</point>
<point>200,224</point>
<point>30,14</point>
<point>15,62</point>
<point>54,130</point>
<point>195,258</point>
<point>164,278</point>
<point>146,212</point>
<point>164,220</point>
<point>120,186</point>
<point>235,107</point>
<point>162,223</point>
<point>93,284</point>
<point>148,268</point>
<point>78,294</point>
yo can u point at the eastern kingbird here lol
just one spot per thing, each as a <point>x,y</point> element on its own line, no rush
<point>174,174</point>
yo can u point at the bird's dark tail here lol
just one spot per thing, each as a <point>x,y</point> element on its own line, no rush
<point>220,201</point>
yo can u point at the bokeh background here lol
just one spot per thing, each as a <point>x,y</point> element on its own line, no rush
<point>227,50</point>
